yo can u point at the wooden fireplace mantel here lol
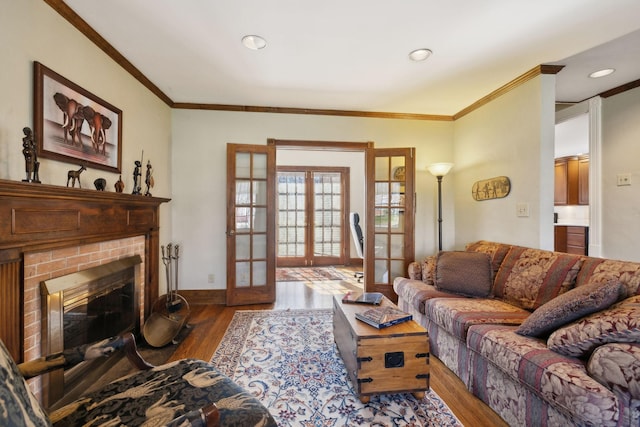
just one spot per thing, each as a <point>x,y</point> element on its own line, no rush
<point>36,217</point>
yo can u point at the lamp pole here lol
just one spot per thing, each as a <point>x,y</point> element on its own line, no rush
<point>439,170</point>
<point>439,178</point>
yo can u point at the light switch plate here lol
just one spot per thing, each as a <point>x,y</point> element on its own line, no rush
<point>624,179</point>
<point>522,209</point>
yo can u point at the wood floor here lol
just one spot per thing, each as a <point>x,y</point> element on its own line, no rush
<point>209,322</point>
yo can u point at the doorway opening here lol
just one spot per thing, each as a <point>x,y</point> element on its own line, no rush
<point>312,208</point>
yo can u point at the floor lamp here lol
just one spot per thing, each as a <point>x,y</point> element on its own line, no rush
<point>439,170</point>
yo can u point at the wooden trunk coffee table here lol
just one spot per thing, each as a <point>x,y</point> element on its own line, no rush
<point>381,361</point>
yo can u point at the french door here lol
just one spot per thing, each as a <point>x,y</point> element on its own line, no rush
<point>389,241</point>
<point>251,260</point>
<point>251,220</point>
<point>312,216</point>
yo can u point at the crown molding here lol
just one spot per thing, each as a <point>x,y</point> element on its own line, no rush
<point>311,111</point>
<point>534,72</point>
<point>81,25</point>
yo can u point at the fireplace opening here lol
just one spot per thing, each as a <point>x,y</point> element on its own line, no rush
<point>85,307</point>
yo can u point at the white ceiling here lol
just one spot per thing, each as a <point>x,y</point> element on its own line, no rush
<point>353,55</point>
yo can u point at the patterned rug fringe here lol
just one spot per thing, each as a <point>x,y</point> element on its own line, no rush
<point>288,360</point>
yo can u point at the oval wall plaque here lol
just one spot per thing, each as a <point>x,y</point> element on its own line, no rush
<point>492,188</point>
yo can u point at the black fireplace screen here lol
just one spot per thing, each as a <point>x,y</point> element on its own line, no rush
<point>101,314</point>
<point>85,307</point>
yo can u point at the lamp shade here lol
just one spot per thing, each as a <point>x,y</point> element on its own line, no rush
<point>439,169</point>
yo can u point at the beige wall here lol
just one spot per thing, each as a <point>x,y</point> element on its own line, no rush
<point>31,31</point>
<point>621,154</point>
<point>511,136</point>
<point>199,178</point>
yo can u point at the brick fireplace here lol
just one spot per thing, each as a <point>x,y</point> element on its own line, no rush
<point>49,231</point>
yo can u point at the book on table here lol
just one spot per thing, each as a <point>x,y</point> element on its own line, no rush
<point>373,298</point>
<point>383,317</point>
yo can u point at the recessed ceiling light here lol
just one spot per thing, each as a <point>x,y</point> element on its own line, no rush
<point>420,54</point>
<point>602,73</point>
<point>254,42</point>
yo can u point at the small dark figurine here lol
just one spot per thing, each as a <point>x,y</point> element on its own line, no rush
<point>32,165</point>
<point>119,185</point>
<point>137,188</point>
<point>148,180</point>
<point>75,175</point>
<point>100,184</point>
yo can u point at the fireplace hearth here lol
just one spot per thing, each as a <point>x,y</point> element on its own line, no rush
<point>85,307</point>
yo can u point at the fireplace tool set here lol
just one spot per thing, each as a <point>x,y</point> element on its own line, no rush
<point>171,311</point>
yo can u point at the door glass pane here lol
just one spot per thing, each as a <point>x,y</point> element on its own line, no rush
<point>243,192</point>
<point>381,271</point>
<point>259,166</point>
<point>397,245</point>
<point>382,169</point>
<point>243,248</point>
<point>243,218</point>
<point>260,220</point>
<point>260,246</point>
<point>382,218</point>
<point>260,192</point>
<point>243,278</point>
<point>243,165</point>
<point>397,269</point>
<point>259,273</point>
<point>397,168</point>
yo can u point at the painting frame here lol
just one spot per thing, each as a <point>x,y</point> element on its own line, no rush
<point>73,125</point>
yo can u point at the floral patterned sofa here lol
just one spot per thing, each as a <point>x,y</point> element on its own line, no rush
<point>544,338</point>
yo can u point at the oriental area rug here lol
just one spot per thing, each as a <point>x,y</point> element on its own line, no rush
<point>315,274</point>
<point>288,360</point>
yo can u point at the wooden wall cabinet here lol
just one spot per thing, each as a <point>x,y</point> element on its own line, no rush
<point>571,182</point>
<point>572,239</point>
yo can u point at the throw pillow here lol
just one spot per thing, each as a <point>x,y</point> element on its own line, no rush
<point>464,273</point>
<point>571,305</point>
<point>619,323</point>
<point>531,277</point>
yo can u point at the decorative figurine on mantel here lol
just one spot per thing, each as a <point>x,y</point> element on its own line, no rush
<point>75,175</point>
<point>119,185</point>
<point>32,165</point>
<point>100,184</point>
<point>136,178</point>
<point>149,178</point>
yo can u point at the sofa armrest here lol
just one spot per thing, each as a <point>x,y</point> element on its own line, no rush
<point>415,270</point>
<point>424,270</point>
<point>617,366</point>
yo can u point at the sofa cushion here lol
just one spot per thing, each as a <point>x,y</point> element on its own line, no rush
<point>465,273</point>
<point>619,323</point>
<point>599,270</point>
<point>417,293</point>
<point>617,366</point>
<point>18,406</point>
<point>529,277</point>
<point>456,315</point>
<point>496,251</point>
<point>562,381</point>
<point>571,305</point>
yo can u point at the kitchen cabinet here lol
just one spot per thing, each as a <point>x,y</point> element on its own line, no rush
<point>571,181</point>
<point>572,239</point>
